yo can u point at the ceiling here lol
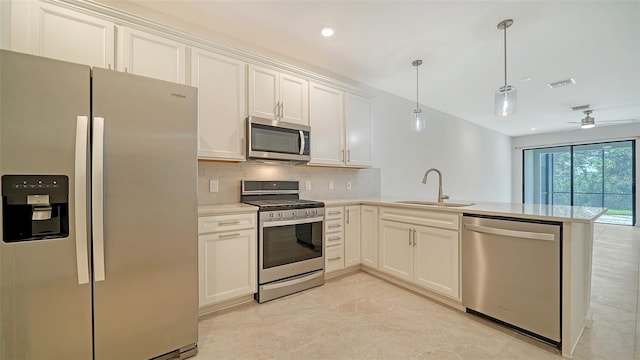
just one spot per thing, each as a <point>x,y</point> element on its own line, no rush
<point>597,43</point>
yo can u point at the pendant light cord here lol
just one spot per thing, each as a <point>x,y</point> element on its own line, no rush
<point>505,56</point>
<point>417,97</point>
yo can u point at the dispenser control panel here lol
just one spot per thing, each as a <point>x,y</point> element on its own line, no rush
<point>35,207</point>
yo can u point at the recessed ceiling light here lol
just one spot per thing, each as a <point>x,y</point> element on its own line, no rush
<point>526,78</point>
<point>532,129</point>
<point>327,32</point>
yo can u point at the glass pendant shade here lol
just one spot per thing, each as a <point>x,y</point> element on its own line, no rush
<point>505,100</point>
<point>418,120</point>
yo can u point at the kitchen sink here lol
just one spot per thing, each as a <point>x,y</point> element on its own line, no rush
<point>435,203</point>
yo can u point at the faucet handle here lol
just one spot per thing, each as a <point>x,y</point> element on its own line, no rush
<point>444,197</point>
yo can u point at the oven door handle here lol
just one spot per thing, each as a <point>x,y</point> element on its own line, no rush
<point>274,223</point>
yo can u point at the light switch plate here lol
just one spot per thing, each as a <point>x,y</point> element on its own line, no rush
<point>307,185</point>
<point>330,185</point>
<point>348,185</point>
<point>213,186</point>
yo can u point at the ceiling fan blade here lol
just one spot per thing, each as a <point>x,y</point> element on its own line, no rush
<point>620,121</point>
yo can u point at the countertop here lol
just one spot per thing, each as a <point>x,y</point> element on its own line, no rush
<point>224,209</point>
<point>528,211</point>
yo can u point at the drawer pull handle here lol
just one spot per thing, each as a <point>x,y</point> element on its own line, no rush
<point>335,258</point>
<point>334,226</point>
<point>335,238</point>
<point>229,235</point>
<point>225,223</point>
<point>334,213</point>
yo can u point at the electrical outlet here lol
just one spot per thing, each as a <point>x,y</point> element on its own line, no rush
<point>307,185</point>
<point>330,185</point>
<point>213,186</point>
<point>348,185</point>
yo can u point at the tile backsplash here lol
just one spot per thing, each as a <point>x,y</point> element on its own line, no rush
<point>365,183</point>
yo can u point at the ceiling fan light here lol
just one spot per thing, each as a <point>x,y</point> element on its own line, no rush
<point>506,100</point>
<point>587,126</point>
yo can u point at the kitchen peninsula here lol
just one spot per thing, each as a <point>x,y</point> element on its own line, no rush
<point>438,232</point>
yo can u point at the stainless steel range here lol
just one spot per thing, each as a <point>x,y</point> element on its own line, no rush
<point>290,248</point>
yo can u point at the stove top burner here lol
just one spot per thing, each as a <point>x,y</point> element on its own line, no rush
<point>283,204</point>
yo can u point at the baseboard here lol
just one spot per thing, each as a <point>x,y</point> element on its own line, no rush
<point>453,303</point>
<point>338,273</point>
<point>210,309</point>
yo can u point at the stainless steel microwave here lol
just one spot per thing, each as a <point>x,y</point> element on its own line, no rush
<point>277,140</point>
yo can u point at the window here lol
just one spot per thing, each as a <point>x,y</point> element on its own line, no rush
<point>600,175</point>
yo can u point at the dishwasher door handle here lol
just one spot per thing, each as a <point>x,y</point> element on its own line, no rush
<point>511,233</point>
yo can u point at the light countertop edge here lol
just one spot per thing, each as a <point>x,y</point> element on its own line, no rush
<point>519,210</point>
<point>562,213</point>
<point>224,209</point>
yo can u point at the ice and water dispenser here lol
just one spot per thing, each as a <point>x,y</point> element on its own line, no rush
<point>35,207</point>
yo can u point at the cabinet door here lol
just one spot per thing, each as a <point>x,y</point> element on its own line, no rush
<point>326,118</point>
<point>294,99</point>
<point>221,105</point>
<point>227,264</point>
<point>352,236</point>
<point>396,250</point>
<point>369,236</point>
<point>359,130</point>
<point>146,54</point>
<point>71,36</point>
<point>436,260</point>
<point>264,88</point>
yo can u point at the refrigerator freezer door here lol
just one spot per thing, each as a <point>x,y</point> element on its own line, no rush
<point>147,304</point>
<point>44,311</point>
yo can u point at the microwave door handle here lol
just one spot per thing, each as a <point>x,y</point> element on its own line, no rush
<point>302,143</point>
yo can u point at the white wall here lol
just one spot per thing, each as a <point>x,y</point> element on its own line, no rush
<point>475,162</point>
<point>597,134</point>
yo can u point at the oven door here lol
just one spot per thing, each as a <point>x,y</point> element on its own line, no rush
<point>289,248</point>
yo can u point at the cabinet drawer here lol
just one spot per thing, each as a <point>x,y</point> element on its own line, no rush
<point>332,239</point>
<point>334,258</point>
<point>334,213</point>
<point>215,223</point>
<point>440,219</point>
<point>331,226</point>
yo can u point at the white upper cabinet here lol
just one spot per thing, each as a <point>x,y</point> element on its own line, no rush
<point>326,118</point>
<point>221,105</point>
<point>359,130</point>
<point>277,96</point>
<point>150,55</point>
<point>55,32</point>
<point>341,129</point>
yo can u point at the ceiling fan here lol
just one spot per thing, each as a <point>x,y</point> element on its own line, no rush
<point>589,121</point>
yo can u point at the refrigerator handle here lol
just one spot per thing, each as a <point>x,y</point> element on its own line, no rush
<point>80,182</point>
<point>97,195</point>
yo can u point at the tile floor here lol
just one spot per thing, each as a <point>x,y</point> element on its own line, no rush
<point>362,317</point>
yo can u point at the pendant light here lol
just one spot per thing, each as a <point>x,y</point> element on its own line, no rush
<point>417,119</point>
<point>505,95</point>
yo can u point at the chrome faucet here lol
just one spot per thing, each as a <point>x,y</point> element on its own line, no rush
<point>441,198</point>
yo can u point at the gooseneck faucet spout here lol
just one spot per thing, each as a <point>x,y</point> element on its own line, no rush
<point>441,197</point>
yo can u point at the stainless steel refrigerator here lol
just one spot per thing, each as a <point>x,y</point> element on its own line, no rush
<point>98,257</point>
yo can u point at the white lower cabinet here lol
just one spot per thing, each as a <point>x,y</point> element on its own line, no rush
<point>227,259</point>
<point>369,236</point>
<point>423,255</point>
<point>352,235</point>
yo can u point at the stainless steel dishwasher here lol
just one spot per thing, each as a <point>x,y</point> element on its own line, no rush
<point>511,272</point>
